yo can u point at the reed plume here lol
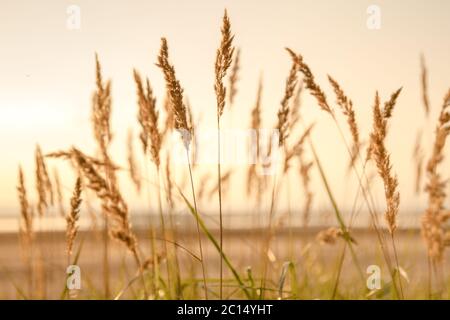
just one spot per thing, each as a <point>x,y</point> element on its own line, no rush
<point>112,200</point>
<point>329,236</point>
<point>383,162</point>
<point>387,113</point>
<point>101,111</point>
<point>433,221</point>
<point>424,85</point>
<point>175,94</point>
<point>43,183</point>
<point>234,77</point>
<point>26,217</point>
<point>310,82</point>
<point>72,217</point>
<point>346,106</point>
<point>224,57</point>
<point>169,183</point>
<point>148,118</point>
<point>418,157</point>
<point>305,168</point>
<point>132,164</point>
<point>284,111</point>
<point>100,164</point>
<point>252,176</point>
<point>390,104</point>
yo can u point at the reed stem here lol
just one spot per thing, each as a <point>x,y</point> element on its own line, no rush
<point>198,225</point>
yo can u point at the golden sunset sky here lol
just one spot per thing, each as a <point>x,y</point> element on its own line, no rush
<point>47,74</point>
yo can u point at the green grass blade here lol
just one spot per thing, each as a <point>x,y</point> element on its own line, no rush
<point>288,267</point>
<point>216,244</point>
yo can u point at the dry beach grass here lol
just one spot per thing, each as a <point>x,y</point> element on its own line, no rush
<point>200,258</point>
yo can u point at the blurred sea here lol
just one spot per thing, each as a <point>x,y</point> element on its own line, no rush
<point>9,223</point>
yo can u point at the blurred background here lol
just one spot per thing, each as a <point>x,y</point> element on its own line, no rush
<point>47,78</point>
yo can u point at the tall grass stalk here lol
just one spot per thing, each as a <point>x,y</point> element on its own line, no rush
<point>266,246</point>
<point>197,224</point>
<point>223,61</point>
<point>163,229</point>
<point>219,184</point>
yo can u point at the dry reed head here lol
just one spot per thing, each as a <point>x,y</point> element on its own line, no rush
<point>418,157</point>
<point>346,106</point>
<point>256,116</point>
<point>305,168</point>
<point>390,104</point>
<point>26,221</point>
<point>175,93</point>
<point>73,216</point>
<point>310,82</point>
<point>132,165</point>
<point>424,83</point>
<point>433,221</point>
<point>67,155</point>
<point>386,114</point>
<point>383,163</point>
<point>101,110</point>
<point>148,118</point>
<point>112,201</point>
<point>252,177</point>
<point>329,236</point>
<point>43,184</point>
<point>223,61</point>
<point>284,111</point>
<point>191,122</point>
<point>234,77</point>
<point>169,183</point>
<point>189,115</point>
